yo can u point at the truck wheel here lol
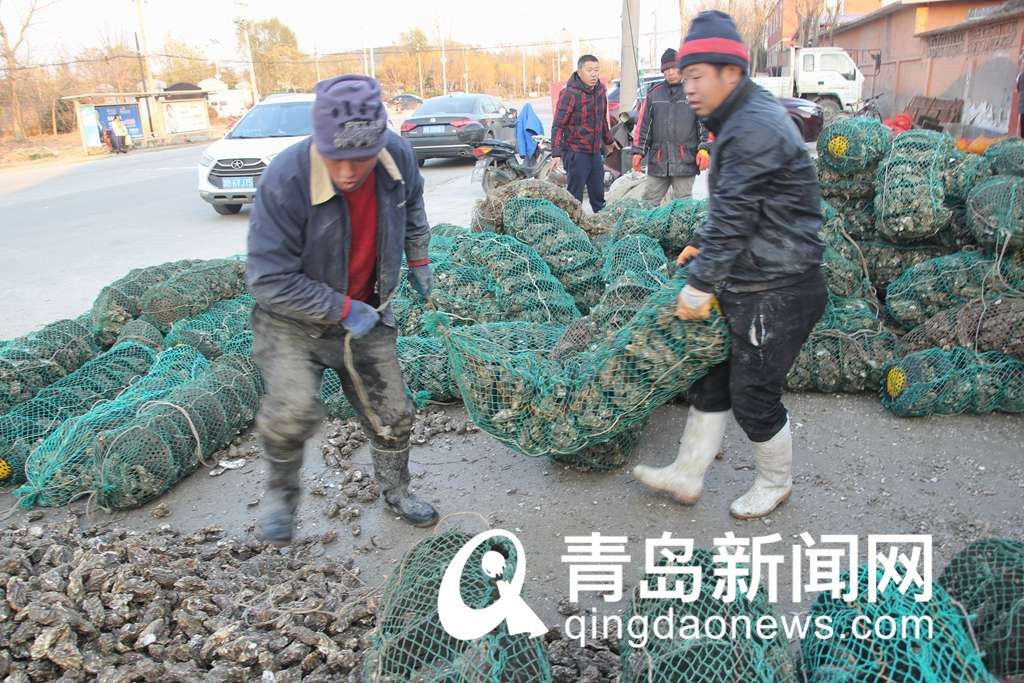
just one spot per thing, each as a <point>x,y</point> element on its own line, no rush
<point>227,209</point>
<point>830,108</point>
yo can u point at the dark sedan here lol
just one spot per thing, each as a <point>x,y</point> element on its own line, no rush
<point>432,129</point>
<point>808,116</point>
<point>405,101</point>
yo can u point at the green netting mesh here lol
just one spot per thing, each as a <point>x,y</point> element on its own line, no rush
<point>854,187</point>
<point>987,579</point>
<point>965,171</point>
<point>704,659</point>
<point>635,258</point>
<point>995,325</point>
<point>121,301</point>
<point>63,467</point>
<point>606,456</point>
<point>909,187</point>
<point>845,351</point>
<point>1007,156</point>
<point>953,382</point>
<point>995,213</point>
<point>949,654</point>
<point>447,230</point>
<point>515,391</point>
<point>844,276</point>
<point>566,249</point>
<point>100,379</point>
<point>193,291</point>
<point>886,261</point>
<point>29,363</point>
<point>142,332</point>
<point>673,225</point>
<point>939,284</point>
<point>138,460</point>
<point>488,213</point>
<point>853,145</point>
<point>409,643</point>
<point>859,218</point>
<point>603,222</point>
<point>210,330</point>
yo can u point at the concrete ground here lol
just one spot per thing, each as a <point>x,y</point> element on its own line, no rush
<point>70,229</point>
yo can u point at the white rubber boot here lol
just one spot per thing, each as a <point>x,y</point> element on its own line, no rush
<point>774,481</point>
<point>700,443</point>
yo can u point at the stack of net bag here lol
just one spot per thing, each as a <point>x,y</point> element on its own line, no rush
<point>212,329</point>
<point>603,222</point>
<point>886,261</point>
<point>940,284</point>
<point>409,643</point>
<point>987,579</point>
<point>634,268</point>
<point>937,382</point>
<point>962,175</point>
<point>167,439</point>
<point>100,379</point>
<point>29,363</point>
<point>995,214</point>
<point>983,325</point>
<point>1007,157</point>
<point>842,263</point>
<point>121,301</point>
<point>141,332</point>
<point>193,291</point>
<point>567,250</point>
<point>65,465</point>
<point>849,150</point>
<point>948,653</point>
<point>845,352</point>
<point>910,192</point>
<point>448,230</point>
<point>672,225</point>
<point>488,213</point>
<point>516,392</point>
<point>702,658</point>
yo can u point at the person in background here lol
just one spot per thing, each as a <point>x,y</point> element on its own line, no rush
<point>119,132</point>
<point>669,136</point>
<point>581,131</point>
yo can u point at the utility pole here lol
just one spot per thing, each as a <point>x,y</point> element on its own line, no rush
<point>419,66</point>
<point>630,35</point>
<point>373,66</point>
<point>444,67</point>
<point>147,76</point>
<point>244,25</point>
<point>466,77</point>
<point>366,64</point>
<point>316,62</point>
<point>523,51</point>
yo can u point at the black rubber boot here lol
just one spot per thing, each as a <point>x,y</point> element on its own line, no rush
<point>277,508</point>
<point>392,471</point>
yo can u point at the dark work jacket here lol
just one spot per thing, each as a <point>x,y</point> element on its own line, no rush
<point>668,132</point>
<point>764,211</point>
<point>300,233</point>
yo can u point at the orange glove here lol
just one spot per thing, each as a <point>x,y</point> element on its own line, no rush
<point>637,159</point>
<point>703,159</point>
<point>687,255</point>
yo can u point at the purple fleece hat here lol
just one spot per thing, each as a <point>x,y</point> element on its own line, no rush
<point>349,119</point>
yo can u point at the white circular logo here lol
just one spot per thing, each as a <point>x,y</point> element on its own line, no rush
<point>237,164</point>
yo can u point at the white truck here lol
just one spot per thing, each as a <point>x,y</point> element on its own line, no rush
<point>826,75</point>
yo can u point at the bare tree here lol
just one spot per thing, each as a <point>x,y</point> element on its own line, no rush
<point>808,13</point>
<point>10,43</point>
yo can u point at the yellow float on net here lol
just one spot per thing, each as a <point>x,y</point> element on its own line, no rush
<point>895,381</point>
<point>5,470</point>
<point>838,146</point>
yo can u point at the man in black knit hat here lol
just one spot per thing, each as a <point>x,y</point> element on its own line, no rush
<point>759,251</point>
<point>669,137</point>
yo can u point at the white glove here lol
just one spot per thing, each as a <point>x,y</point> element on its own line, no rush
<point>693,297</point>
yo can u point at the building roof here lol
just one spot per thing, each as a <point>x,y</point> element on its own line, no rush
<point>891,8</point>
<point>1011,10</point>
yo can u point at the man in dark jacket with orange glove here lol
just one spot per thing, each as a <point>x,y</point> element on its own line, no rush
<point>671,138</point>
<point>332,218</point>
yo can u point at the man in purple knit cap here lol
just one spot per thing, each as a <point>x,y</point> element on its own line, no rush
<point>333,216</point>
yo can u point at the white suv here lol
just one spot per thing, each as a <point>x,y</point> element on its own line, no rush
<point>230,169</point>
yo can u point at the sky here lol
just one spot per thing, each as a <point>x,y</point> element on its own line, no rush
<point>340,25</point>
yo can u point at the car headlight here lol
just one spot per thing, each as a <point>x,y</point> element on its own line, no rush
<point>269,157</point>
<point>206,160</point>
<point>811,109</point>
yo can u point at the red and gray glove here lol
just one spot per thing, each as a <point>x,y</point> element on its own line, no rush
<point>637,161</point>
<point>703,160</point>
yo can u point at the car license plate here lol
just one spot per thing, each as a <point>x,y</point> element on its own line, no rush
<point>433,130</point>
<point>478,171</point>
<point>238,183</point>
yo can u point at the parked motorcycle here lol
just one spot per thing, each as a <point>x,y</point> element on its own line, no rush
<point>498,162</point>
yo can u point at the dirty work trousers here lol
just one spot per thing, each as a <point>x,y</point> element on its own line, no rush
<point>293,363</point>
<point>767,330</point>
<point>655,187</point>
<point>585,170</point>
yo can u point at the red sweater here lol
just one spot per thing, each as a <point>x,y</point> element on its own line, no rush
<point>362,255</point>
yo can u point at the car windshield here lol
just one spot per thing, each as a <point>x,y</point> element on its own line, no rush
<point>447,105</point>
<point>282,120</point>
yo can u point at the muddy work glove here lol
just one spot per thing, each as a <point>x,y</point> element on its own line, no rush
<point>359,318</point>
<point>421,278</point>
<point>693,304</point>
<point>637,161</point>
<point>703,160</point>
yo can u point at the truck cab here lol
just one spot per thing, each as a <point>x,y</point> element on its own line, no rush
<point>826,75</point>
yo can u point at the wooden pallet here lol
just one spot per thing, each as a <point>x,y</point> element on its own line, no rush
<point>921,109</point>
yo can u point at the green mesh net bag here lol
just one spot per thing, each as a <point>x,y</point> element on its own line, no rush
<point>193,291</point>
<point>948,653</point>
<point>909,187</point>
<point>1007,157</point>
<point>946,282</point>
<point>566,249</point>
<point>995,213</point>
<point>987,579</point>
<point>859,218</point>
<point>963,173</point>
<point>992,325</point>
<point>635,258</point>
<point>843,276</point>
<point>63,466</point>
<point>837,187</point>
<point>701,658</point>
<point>515,391</point>
<point>121,300</point>
<point>673,225</point>
<point>603,222</point>
<point>937,382</point>
<point>141,332</point>
<point>210,330</point>
<point>886,261</point>
<point>488,214</point>
<point>605,456</point>
<point>447,230</point>
<point>29,363</point>
<point>140,459</point>
<point>100,379</point>
<point>409,643</point>
<point>853,145</point>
